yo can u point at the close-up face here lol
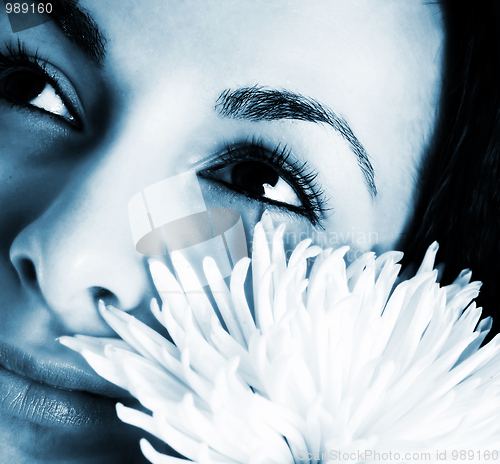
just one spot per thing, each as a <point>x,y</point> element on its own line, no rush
<point>319,112</point>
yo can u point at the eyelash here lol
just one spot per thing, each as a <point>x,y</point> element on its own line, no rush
<point>299,176</point>
<point>16,58</point>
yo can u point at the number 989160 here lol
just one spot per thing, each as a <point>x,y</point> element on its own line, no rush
<point>23,8</point>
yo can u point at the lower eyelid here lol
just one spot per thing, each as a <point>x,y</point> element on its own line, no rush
<point>291,210</point>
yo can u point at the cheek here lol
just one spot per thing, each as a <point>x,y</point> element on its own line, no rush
<point>36,161</point>
<point>351,223</point>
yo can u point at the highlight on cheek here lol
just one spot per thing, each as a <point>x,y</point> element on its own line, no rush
<point>171,218</point>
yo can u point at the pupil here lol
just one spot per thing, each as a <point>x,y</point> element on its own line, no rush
<point>251,176</point>
<point>23,86</point>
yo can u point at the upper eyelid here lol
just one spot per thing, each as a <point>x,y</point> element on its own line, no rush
<point>235,152</point>
<point>232,154</point>
<point>280,158</point>
<point>18,53</point>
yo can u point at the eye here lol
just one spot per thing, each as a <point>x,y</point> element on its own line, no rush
<point>33,83</point>
<point>260,181</point>
<point>31,88</point>
<point>268,176</point>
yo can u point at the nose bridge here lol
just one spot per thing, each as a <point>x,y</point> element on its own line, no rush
<point>82,248</point>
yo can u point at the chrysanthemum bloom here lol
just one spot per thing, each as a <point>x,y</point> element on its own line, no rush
<point>338,362</point>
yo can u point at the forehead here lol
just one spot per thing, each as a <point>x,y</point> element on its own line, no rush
<point>264,36</point>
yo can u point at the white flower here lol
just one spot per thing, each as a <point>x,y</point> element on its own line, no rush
<point>339,361</point>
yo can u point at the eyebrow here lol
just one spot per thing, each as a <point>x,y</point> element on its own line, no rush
<point>261,104</point>
<point>78,25</point>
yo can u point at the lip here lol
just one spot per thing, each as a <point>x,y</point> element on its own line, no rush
<point>55,394</point>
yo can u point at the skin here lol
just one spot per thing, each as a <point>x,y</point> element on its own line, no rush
<point>148,113</point>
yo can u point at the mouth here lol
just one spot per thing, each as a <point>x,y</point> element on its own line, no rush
<point>56,394</point>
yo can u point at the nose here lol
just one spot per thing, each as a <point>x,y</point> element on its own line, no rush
<point>81,250</point>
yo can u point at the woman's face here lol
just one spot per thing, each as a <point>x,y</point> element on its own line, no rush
<point>328,103</point>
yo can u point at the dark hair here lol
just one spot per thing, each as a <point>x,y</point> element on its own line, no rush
<point>459,187</point>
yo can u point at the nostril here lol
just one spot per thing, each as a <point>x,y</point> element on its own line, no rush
<point>27,270</point>
<point>100,293</point>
